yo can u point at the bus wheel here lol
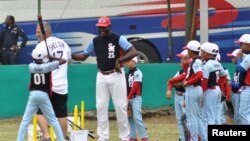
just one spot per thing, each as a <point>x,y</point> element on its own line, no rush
<point>146,53</point>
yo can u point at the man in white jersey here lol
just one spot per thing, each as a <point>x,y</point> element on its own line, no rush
<point>59,98</point>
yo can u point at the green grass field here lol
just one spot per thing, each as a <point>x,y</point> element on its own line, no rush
<point>161,128</point>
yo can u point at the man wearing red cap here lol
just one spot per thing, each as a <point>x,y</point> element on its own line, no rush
<point>111,51</point>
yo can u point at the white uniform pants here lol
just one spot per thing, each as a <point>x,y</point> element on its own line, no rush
<point>193,98</point>
<point>113,85</point>
<point>244,110</point>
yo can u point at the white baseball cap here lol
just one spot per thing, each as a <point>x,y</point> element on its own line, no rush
<point>210,48</point>
<point>37,54</point>
<point>135,59</point>
<point>193,45</point>
<point>245,38</point>
<point>234,53</point>
<point>183,53</point>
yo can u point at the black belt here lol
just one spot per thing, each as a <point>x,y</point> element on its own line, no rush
<point>107,72</point>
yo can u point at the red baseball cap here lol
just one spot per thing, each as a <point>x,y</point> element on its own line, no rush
<point>182,54</point>
<point>234,53</point>
<point>103,21</point>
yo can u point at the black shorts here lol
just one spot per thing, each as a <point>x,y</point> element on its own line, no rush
<point>59,103</point>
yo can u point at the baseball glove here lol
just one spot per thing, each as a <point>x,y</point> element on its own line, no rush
<point>223,97</point>
<point>230,107</point>
<point>129,110</point>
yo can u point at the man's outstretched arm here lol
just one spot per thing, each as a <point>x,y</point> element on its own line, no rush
<point>79,57</point>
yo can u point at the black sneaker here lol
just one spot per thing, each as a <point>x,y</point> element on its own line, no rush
<point>67,137</point>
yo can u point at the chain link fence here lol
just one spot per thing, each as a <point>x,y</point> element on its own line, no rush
<point>27,10</point>
<point>225,12</point>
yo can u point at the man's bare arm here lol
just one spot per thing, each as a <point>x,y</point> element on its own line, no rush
<point>131,53</point>
<point>79,57</point>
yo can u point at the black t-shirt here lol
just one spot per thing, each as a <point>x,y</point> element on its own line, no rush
<point>107,50</point>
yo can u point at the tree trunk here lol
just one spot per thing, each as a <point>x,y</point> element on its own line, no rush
<point>189,19</point>
<point>169,29</point>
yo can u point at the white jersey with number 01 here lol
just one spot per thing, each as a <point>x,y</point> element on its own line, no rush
<point>58,48</point>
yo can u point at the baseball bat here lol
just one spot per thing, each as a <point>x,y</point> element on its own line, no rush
<point>40,21</point>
